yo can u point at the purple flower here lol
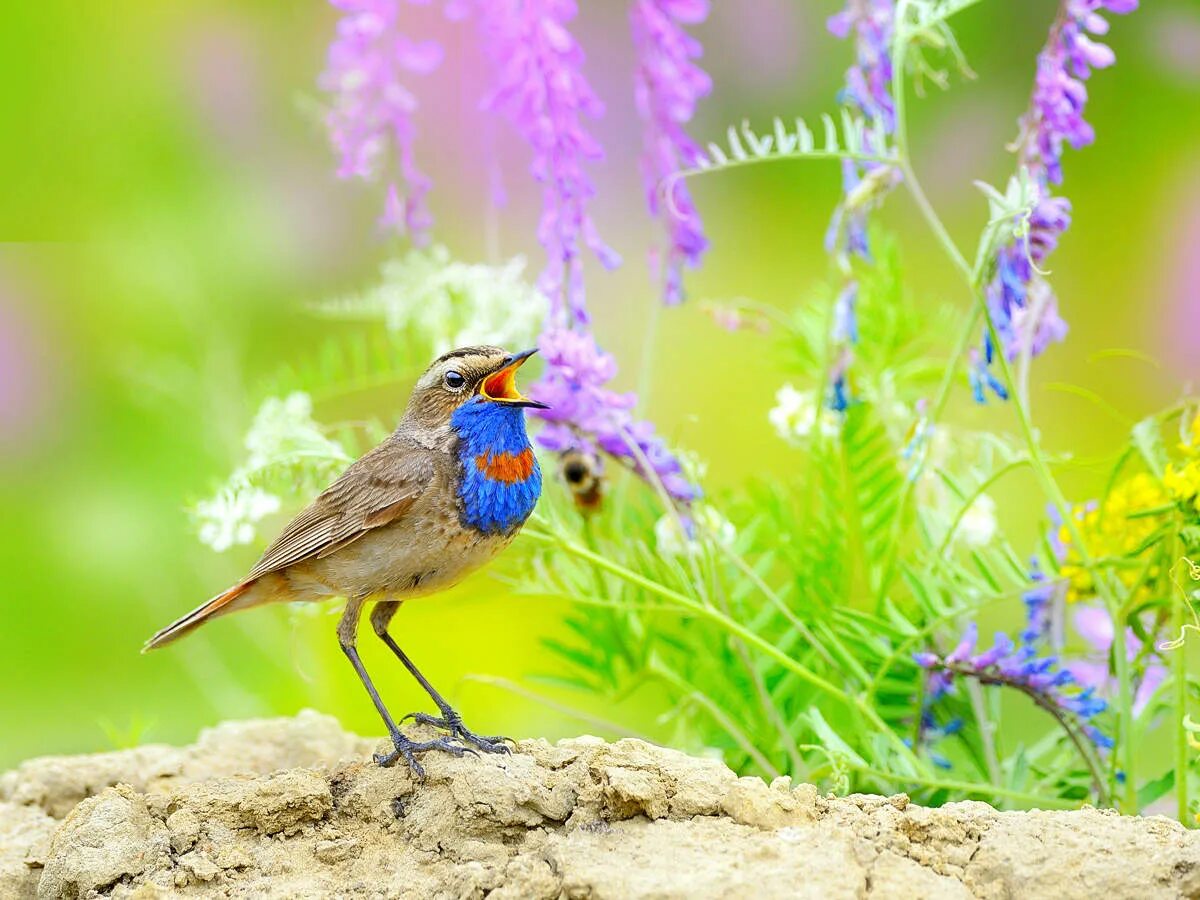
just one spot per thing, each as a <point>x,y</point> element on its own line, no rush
<point>868,93</point>
<point>1039,600</point>
<point>1023,307</point>
<point>586,415</point>
<point>1055,116</point>
<point>1095,626</point>
<point>869,81</point>
<point>370,123</point>
<point>540,86</point>
<point>1019,667</point>
<point>667,86</point>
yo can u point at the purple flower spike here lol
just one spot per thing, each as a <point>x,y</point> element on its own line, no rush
<point>370,123</point>
<point>540,86</point>
<point>667,86</point>
<point>585,414</point>
<point>868,92</point>
<point>1004,664</point>
<point>1022,305</point>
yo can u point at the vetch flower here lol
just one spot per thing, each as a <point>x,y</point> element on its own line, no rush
<point>868,93</point>
<point>1039,607</point>
<point>1044,679</point>
<point>371,120</point>
<point>541,88</point>
<point>585,414</point>
<point>1021,303</point>
<point>667,86</point>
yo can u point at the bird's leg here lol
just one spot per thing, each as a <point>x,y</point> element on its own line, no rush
<point>347,637</point>
<point>450,720</point>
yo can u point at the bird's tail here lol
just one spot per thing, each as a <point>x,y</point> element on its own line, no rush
<point>218,605</point>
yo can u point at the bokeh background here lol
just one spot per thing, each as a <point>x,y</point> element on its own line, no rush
<point>169,212</point>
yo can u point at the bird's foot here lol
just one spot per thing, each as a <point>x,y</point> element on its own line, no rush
<point>408,750</point>
<point>452,722</point>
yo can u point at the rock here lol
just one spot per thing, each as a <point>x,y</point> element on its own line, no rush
<point>24,844</point>
<point>102,840</point>
<point>294,808</point>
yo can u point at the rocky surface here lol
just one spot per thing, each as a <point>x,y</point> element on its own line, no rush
<point>293,808</point>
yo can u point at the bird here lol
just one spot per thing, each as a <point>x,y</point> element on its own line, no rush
<point>440,497</point>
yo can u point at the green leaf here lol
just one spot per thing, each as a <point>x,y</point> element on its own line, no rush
<point>1154,790</point>
<point>830,738</point>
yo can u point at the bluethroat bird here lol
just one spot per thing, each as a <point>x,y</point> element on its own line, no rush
<point>440,497</point>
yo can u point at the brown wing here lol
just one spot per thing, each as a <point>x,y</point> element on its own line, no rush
<point>376,490</point>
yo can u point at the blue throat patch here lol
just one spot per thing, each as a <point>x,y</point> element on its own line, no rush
<point>501,479</point>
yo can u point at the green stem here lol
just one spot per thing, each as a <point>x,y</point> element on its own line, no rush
<point>1045,477</point>
<point>855,701</point>
<point>1179,685</point>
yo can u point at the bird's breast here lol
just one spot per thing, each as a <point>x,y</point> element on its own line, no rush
<point>498,489</point>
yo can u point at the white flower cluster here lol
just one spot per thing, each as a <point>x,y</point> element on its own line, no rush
<point>283,434</point>
<point>451,304</point>
<point>795,412</point>
<point>229,517</point>
<point>707,526</point>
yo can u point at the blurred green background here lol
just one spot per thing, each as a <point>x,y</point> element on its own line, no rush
<point>169,211</point>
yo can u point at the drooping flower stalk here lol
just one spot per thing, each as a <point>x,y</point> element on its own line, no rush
<point>667,86</point>
<point>1042,679</point>
<point>543,91</point>
<point>371,120</point>
<point>1022,305</point>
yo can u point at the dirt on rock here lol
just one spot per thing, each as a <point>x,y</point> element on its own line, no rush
<point>294,808</point>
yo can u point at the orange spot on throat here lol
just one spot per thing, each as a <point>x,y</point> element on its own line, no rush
<point>507,467</point>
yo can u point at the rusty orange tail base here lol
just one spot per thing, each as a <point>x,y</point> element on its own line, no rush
<point>197,617</point>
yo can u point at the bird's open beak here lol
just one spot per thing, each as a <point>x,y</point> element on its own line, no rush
<point>501,385</point>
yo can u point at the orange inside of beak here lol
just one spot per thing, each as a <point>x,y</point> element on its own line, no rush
<point>502,385</point>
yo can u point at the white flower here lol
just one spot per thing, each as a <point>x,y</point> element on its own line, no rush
<point>707,526</point>
<point>229,517</point>
<point>795,412</point>
<point>284,437</point>
<point>977,526</point>
<point>286,426</point>
<point>451,304</point>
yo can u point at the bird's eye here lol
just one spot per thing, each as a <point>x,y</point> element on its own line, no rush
<point>454,380</point>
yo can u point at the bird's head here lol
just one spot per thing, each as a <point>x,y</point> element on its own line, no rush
<point>460,376</point>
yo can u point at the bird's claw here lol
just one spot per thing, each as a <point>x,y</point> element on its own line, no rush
<point>453,723</point>
<point>408,750</point>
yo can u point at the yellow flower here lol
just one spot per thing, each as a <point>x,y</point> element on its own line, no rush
<point>1183,483</point>
<point>1110,533</point>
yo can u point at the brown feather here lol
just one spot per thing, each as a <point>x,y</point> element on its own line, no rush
<point>374,491</point>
